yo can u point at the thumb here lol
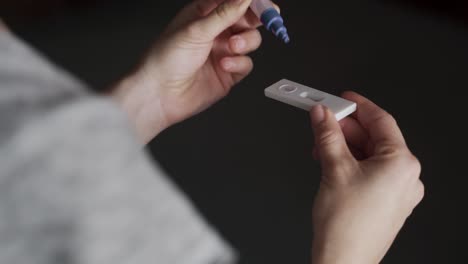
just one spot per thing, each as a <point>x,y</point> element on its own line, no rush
<point>333,152</point>
<point>223,16</point>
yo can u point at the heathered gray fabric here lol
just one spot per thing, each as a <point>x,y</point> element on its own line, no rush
<point>75,186</point>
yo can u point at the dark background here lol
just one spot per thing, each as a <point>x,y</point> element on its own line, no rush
<point>246,162</point>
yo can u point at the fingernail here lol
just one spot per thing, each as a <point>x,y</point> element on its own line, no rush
<point>239,43</point>
<point>317,114</point>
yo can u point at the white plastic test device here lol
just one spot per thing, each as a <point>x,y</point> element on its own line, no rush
<point>304,97</point>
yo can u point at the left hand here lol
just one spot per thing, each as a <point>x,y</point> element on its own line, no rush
<point>196,61</point>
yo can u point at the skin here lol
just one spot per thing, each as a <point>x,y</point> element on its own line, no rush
<point>370,180</point>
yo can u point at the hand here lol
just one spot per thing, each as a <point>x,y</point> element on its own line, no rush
<point>370,184</point>
<point>196,61</point>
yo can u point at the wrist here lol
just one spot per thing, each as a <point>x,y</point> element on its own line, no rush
<point>322,253</point>
<point>139,98</point>
<point>336,251</point>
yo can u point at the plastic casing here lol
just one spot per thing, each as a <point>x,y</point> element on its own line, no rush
<point>258,6</point>
<point>294,96</point>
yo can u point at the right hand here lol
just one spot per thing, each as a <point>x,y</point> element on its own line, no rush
<point>370,184</point>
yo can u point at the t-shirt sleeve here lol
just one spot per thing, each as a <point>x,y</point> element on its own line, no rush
<point>75,185</point>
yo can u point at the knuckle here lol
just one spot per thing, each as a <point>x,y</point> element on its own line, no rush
<point>406,165</point>
<point>415,165</point>
<point>420,192</point>
<point>341,171</point>
<point>384,117</point>
<point>344,169</point>
<point>410,164</point>
<point>390,149</point>
<point>327,137</point>
<point>387,118</point>
<point>222,11</point>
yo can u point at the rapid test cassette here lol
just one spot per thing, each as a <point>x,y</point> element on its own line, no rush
<point>304,97</point>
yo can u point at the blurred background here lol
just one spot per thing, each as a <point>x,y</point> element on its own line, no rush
<point>246,162</point>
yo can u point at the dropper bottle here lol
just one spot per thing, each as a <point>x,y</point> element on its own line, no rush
<point>270,18</point>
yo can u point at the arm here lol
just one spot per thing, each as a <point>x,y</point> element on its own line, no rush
<point>370,184</point>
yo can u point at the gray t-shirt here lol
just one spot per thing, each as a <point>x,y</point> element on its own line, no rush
<point>75,185</point>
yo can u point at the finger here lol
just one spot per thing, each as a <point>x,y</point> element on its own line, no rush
<point>334,155</point>
<point>204,7</point>
<point>250,21</point>
<point>193,11</point>
<point>382,128</point>
<point>241,65</point>
<point>354,133</point>
<point>199,8</point>
<point>245,42</point>
<point>221,18</point>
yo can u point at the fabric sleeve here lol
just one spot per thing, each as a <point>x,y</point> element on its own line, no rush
<point>75,185</point>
